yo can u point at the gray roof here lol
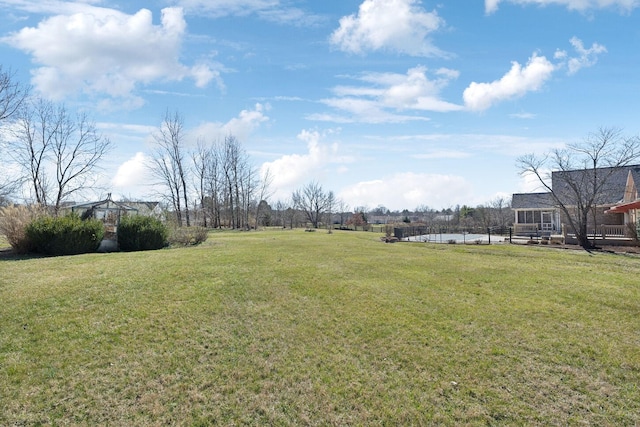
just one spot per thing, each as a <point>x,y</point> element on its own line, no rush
<point>106,204</point>
<point>532,201</point>
<point>565,183</point>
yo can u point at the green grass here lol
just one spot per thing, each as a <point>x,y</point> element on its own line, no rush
<point>294,328</point>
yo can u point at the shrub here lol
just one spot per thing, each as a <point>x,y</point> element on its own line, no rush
<point>388,230</point>
<point>185,236</point>
<point>141,233</point>
<point>68,235</point>
<point>13,222</point>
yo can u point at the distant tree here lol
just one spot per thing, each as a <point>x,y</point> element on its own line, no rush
<point>169,166</point>
<point>313,202</point>
<point>330,206</point>
<point>425,213</point>
<point>264,194</point>
<point>290,217</point>
<point>278,212</point>
<point>264,215</point>
<point>237,180</point>
<point>502,211</point>
<point>380,210</point>
<point>578,194</point>
<point>358,219</point>
<point>12,96</point>
<point>202,158</point>
<point>342,209</point>
<point>362,210</point>
<point>59,153</point>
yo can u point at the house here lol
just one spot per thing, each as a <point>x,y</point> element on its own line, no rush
<point>534,213</point>
<point>614,215</point>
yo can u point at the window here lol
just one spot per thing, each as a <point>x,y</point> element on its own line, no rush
<point>529,217</point>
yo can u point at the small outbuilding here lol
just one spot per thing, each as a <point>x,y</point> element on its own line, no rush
<point>109,212</point>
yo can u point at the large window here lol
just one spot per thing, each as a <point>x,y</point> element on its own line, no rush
<point>529,217</point>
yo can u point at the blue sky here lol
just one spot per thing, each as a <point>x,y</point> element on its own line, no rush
<point>397,103</point>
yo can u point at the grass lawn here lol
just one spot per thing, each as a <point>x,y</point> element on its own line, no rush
<point>293,328</point>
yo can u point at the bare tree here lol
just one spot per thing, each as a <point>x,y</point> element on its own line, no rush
<point>502,211</point>
<point>77,150</point>
<point>59,153</point>
<point>226,183</point>
<point>582,174</point>
<point>12,96</point>
<point>239,181</point>
<point>329,207</point>
<point>343,209</point>
<point>202,158</point>
<point>313,201</point>
<point>280,209</point>
<point>168,163</point>
<point>264,193</point>
<point>214,185</point>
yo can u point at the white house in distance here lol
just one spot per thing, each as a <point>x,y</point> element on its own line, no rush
<point>615,216</point>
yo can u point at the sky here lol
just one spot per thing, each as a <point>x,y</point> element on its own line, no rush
<point>394,103</point>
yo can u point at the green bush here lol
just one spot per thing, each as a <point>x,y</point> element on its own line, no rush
<point>68,235</point>
<point>185,236</point>
<point>141,233</point>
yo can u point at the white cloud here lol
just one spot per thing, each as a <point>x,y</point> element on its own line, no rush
<point>131,174</point>
<point>525,116</point>
<point>269,10</point>
<point>530,183</point>
<point>291,171</point>
<point>240,127</point>
<point>520,80</point>
<point>491,6</point>
<point>102,51</point>
<point>586,58</point>
<point>220,8</point>
<point>386,94</point>
<point>401,190</point>
<point>443,154</point>
<point>515,83</point>
<point>390,25</point>
<point>50,6</point>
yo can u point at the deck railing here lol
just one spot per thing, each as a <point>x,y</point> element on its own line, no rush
<point>613,231</point>
<point>525,229</point>
<point>602,231</point>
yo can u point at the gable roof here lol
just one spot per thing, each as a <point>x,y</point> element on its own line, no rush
<point>106,204</point>
<point>532,201</point>
<point>564,183</point>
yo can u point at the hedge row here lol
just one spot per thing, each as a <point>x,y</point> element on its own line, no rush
<point>68,235</point>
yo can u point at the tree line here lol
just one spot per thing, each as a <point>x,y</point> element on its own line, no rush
<point>214,185</point>
<point>56,154</point>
